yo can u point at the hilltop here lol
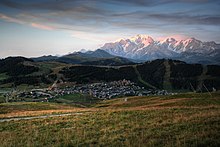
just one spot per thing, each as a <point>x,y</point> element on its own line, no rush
<point>97,57</point>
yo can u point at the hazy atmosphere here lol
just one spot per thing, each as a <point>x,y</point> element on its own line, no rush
<point>33,28</point>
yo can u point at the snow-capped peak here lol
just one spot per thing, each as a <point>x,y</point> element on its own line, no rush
<point>118,40</point>
<point>169,40</point>
<point>83,50</point>
<point>142,38</point>
<point>143,46</point>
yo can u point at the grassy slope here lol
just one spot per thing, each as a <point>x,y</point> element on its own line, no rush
<point>180,120</point>
<point>3,76</point>
<point>140,78</point>
<point>22,109</point>
<point>78,99</point>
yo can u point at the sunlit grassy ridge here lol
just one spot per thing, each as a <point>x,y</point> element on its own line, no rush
<point>23,109</point>
<point>31,106</point>
<point>179,120</point>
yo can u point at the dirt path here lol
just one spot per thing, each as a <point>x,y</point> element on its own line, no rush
<point>36,117</point>
<point>166,81</point>
<point>140,78</point>
<point>201,78</point>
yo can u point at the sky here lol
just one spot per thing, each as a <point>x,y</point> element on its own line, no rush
<point>34,28</point>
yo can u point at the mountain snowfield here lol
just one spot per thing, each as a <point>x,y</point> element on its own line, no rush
<point>144,47</point>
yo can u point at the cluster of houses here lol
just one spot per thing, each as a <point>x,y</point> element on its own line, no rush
<point>37,95</point>
<point>108,90</point>
<point>102,90</point>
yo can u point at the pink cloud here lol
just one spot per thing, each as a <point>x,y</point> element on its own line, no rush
<point>10,19</point>
<point>43,27</point>
<point>15,20</point>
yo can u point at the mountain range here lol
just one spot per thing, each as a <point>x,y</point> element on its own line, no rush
<point>97,57</point>
<point>141,48</point>
<point>145,48</point>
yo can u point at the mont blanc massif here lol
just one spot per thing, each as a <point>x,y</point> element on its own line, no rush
<point>141,48</point>
<point>144,47</point>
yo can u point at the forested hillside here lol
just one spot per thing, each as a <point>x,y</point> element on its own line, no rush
<point>157,74</point>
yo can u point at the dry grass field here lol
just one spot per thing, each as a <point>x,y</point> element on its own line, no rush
<point>181,120</point>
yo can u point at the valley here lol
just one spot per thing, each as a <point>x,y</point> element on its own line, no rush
<point>50,78</point>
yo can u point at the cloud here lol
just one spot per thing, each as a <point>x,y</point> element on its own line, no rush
<point>187,19</point>
<point>174,18</point>
<point>85,6</point>
<point>114,16</point>
<point>103,13</point>
<point>10,19</point>
<point>164,2</point>
<point>32,24</point>
<point>41,26</point>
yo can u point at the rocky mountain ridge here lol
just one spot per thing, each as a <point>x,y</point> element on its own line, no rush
<point>144,47</point>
